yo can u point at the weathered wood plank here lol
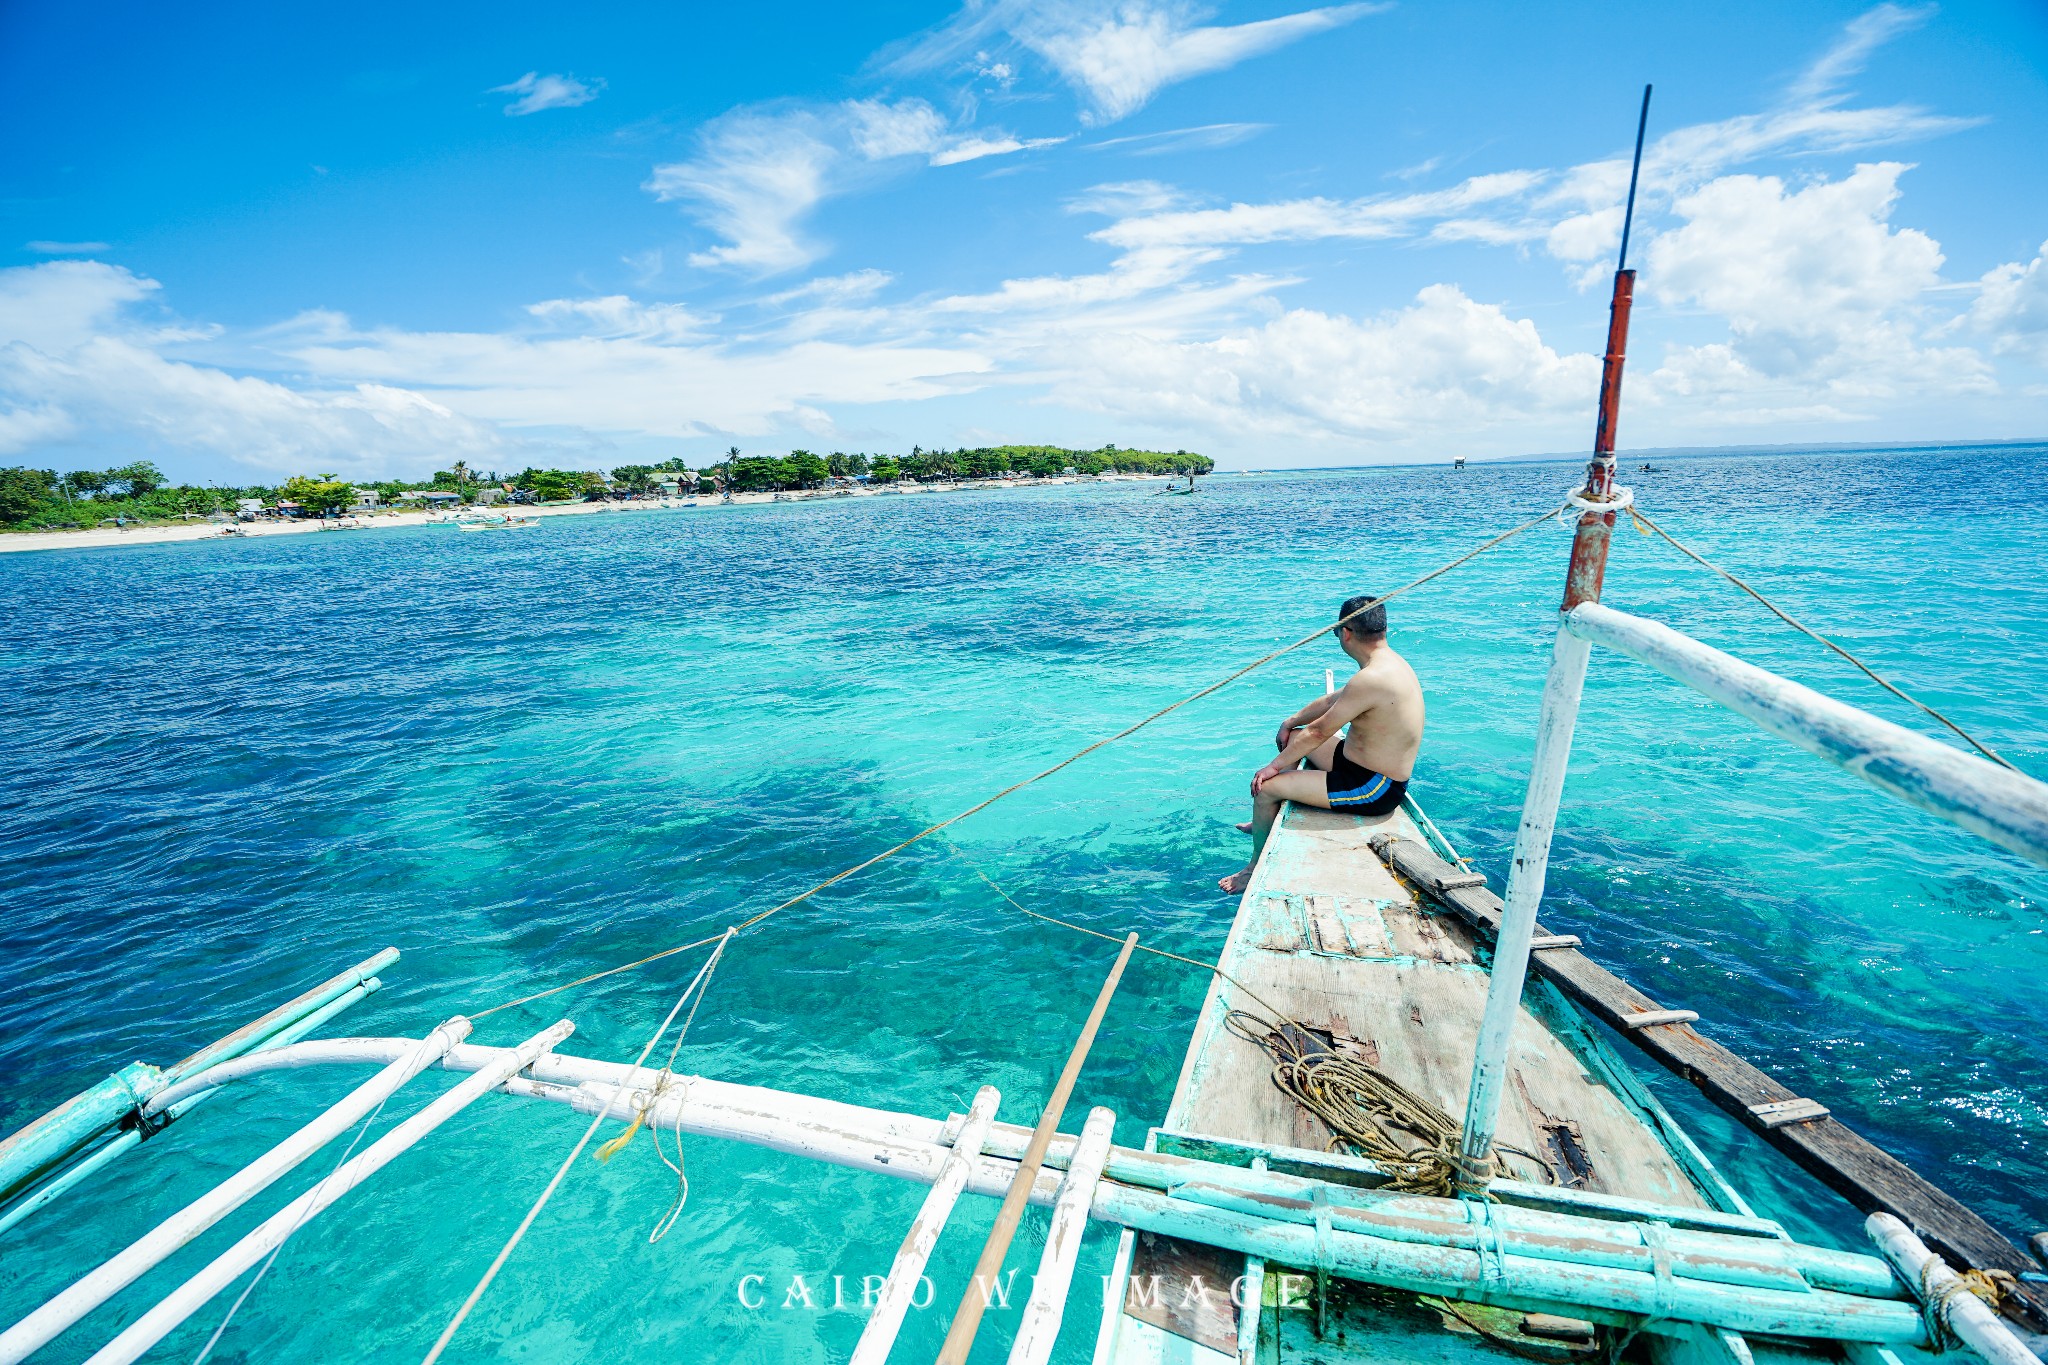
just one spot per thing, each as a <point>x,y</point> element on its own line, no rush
<point>1868,1177</point>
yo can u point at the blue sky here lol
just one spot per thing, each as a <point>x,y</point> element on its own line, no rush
<point>247,241</point>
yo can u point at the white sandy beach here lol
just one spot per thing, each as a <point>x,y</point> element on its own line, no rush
<point>103,536</point>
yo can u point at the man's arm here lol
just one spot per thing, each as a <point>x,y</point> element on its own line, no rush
<point>1302,717</point>
<point>1338,709</point>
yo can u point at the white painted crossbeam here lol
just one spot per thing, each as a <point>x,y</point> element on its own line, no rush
<point>887,1320</point>
<point>1048,1302</point>
<point>133,1261</point>
<point>189,1297</point>
<point>2004,806</point>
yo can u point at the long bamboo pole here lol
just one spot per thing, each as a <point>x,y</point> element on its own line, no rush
<point>879,1336</point>
<point>967,1317</point>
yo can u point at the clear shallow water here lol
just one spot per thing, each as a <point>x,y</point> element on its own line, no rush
<point>229,770</point>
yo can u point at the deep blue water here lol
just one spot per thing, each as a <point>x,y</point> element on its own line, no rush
<point>228,770</point>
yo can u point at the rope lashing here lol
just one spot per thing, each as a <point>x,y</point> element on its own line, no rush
<point>1067,762</point>
<point>1643,522</point>
<point>1367,1110</point>
<point>1937,1305</point>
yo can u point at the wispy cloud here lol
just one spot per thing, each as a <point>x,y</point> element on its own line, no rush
<point>1117,55</point>
<point>976,147</point>
<point>537,92</point>
<point>1127,199</point>
<point>1821,83</point>
<point>854,287</point>
<point>1311,219</point>
<point>760,172</point>
<point>1120,60</point>
<point>755,178</point>
<point>46,248</point>
<point>1207,136</point>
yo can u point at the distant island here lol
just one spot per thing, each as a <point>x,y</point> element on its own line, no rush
<point>139,494</point>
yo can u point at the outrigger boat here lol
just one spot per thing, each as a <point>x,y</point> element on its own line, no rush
<point>1401,1132</point>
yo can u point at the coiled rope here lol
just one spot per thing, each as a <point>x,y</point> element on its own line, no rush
<point>1365,1109</point>
<point>1646,525</point>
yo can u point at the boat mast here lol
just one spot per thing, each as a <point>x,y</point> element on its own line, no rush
<point>1598,502</point>
<point>1589,544</point>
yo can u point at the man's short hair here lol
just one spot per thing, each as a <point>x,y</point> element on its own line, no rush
<point>1370,618</point>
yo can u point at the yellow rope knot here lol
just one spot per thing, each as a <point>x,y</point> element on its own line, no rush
<point>619,1143</point>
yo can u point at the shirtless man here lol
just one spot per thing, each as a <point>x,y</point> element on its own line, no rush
<point>1364,774</point>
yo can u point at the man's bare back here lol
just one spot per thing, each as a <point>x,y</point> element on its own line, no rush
<point>1366,772</point>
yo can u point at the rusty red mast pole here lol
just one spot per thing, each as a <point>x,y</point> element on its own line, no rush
<point>1589,545</point>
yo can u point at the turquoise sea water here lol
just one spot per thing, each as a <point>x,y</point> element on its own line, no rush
<point>229,770</point>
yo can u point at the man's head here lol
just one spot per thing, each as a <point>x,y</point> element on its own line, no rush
<point>1362,619</point>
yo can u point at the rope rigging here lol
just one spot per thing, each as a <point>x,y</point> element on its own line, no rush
<point>1037,777</point>
<point>1643,522</point>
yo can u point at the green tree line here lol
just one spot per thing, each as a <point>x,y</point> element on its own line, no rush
<point>32,499</point>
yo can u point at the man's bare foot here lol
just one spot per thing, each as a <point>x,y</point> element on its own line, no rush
<point>1245,828</point>
<point>1236,882</point>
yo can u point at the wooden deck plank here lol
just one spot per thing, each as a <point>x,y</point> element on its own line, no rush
<point>1326,935</point>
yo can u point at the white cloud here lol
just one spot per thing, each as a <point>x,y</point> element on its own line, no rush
<point>2012,307</point>
<point>760,172</point>
<point>854,287</point>
<point>1127,199</point>
<point>1801,269</point>
<point>1310,219</point>
<point>1119,59</point>
<point>618,316</point>
<point>537,92</point>
<point>1443,363</point>
<point>975,148</point>
<point>47,248</point>
<point>1823,299</point>
<point>756,177</point>
<point>75,363</point>
<point>65,304</point>
<point>906,128</point>
<point>1116,54</point>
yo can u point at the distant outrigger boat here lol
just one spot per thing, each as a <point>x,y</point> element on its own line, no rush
<point>1310,1196</point>
<point>496,522</point>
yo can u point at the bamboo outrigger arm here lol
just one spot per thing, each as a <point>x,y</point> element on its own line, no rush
<point>52,1154</point>
<point>1619,1265</point>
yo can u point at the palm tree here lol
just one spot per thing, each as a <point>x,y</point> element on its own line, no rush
<point>461,473</point>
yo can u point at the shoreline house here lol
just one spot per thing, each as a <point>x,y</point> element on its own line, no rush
<point>366,497</point>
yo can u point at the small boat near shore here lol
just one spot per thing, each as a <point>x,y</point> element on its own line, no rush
<point>497,522</point>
